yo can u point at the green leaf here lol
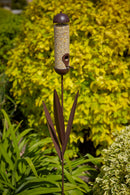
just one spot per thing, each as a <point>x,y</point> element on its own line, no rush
<point>80,170</point>
<point>40,143</point>
<point>68,164</point>
<point>69,177</point>
<point>40,191</point>
<point>17,127</point>
<point>95,161</point>
<point>7,184</point>
<point>29,161</point>
<point>6,117</point>
<point>25,132</point>
<point>77,162</point>
<point>12,133</point>
<point>38,181</point>
<point>69,186</point>
<point>6,157</point>
<point>82,184</point>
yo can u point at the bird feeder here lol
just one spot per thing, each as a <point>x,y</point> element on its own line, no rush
<point>61,43</point>
<point>61,37</point>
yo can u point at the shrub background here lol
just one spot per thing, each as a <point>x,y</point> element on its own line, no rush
<point>9,29</point>
<point>114,177</point>
<point>99,49</point>
<point>18,4</point>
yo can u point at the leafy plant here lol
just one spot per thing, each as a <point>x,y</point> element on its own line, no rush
<point>99,53</point>
<point>27,166</point>
<point>9,28</point>
<point>114,177</point>
<point>11,148</point>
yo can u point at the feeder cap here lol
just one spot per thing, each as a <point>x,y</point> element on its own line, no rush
<point>61,18</point>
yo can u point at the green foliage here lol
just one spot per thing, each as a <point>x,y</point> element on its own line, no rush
<point>28,167</point>
<point>9,28</point>
<point>99,51</point>
<point>114,177</point>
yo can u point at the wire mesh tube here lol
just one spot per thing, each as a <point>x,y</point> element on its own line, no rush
<point>61,43</point>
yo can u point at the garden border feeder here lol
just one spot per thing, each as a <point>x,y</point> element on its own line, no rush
<point>61,38</point>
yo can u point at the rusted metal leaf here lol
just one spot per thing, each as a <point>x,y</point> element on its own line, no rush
<point>69,126</point>
<point>59,119</point>
<point>52,131</point>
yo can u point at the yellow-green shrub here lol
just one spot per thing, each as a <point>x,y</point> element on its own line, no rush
<point>99,52</point>
<point>114,177</point>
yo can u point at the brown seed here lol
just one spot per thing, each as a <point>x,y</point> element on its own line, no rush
<point>61,37</point>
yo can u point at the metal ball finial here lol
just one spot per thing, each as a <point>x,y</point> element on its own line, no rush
<point>61,18</point>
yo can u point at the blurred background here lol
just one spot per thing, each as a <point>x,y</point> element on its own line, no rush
<point>14,4</point>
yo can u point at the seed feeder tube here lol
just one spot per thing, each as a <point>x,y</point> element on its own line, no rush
<point>61,43</point>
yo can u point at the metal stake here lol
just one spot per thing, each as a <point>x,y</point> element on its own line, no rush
<point>62,161</point>
<point>62,156</point>
<point>62,90</point>
<point>61,143</point>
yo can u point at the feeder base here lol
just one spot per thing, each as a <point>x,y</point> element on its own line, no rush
<point>62,71</point>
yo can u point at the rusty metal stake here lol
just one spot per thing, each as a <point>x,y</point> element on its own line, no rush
<point>63,136</point>
<point>62,160</point>
<point>62,90</point>
<point>61,31</point>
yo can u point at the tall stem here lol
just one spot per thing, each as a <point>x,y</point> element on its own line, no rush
<point>62,159</point>
<point>62,90</point>
<point>62,174</point>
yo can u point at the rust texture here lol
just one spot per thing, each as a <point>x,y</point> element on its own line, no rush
<point>63,135</point>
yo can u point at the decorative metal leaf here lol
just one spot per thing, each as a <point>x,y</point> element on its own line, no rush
<point>69,126</point>
<point>59,119</point>
<point>52,131</point>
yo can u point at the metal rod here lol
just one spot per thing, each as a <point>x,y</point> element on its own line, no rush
<point>62,157</point>
<point>62,90</point>
<point>62,174</point>
<point>62,152</point>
